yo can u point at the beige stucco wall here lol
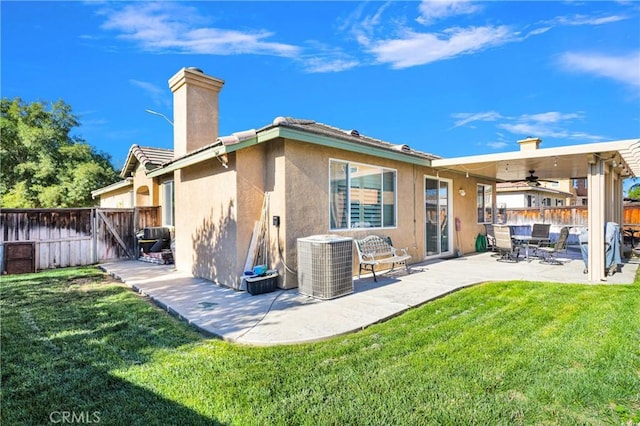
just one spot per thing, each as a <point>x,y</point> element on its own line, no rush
<point>145,189</point>
<point>465,208</point>
<point>206,221</point>
<point>306,211</point>
<point>216,208</point>
<point>119,198</point>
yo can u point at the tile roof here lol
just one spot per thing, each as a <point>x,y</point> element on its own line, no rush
<point>306,126</point>
<point>348,135</point>
<point>150,158</point>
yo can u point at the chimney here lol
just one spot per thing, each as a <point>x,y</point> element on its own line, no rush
<point>529,143</point>
<point>195,110</point>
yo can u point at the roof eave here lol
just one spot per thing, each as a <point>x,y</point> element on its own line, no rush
<point>629,149</point>
<point>291,133</point>
<point>112,187</point>
<point>269,133</point>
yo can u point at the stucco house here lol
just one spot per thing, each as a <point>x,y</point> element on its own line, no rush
<point>318,179</point>
<point>517,195</point>
<point>137,189</point>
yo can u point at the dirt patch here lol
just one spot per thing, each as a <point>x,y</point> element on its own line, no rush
<point>84,282</point>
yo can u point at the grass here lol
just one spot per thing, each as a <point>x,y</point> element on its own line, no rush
<point>499,353</point>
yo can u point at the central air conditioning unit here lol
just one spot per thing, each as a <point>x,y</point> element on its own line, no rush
<point>325,266</point>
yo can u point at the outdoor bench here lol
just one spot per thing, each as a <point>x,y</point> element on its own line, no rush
<point>374,251</point>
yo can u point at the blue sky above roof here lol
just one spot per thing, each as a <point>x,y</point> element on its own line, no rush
<point>450,78</point>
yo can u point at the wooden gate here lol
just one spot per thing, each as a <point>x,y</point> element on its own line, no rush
<point>74,237</point>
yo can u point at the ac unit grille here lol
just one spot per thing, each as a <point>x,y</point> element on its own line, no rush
<point>325,266</point>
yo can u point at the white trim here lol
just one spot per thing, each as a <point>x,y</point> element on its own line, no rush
<point>112,187</point>
<point>450,219</point>
<point>349,164</point>
<point>629,149</point>
<point>493,189</point>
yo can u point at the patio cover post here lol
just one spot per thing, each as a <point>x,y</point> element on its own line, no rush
<point>596,220</point>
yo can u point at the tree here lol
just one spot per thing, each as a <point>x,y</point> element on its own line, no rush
<point>634,191</point>
<point>42,164</point>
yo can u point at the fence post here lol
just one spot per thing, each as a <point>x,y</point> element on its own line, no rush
<point>94,236</point>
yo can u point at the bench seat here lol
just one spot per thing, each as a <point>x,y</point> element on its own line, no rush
<point>375,251</point>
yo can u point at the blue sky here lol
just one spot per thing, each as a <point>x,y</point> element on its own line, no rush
<point>448,78</point>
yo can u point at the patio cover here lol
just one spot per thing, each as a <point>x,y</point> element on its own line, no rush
<point>604,165</point>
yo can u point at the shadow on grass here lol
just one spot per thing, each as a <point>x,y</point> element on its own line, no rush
<point>68,339</point>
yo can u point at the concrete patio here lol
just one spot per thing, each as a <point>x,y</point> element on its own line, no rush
<point>288,317</point>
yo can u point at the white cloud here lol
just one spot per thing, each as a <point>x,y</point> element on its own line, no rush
<point>148,87</point>
<point>579,20</point>
<point>422,48</point>
<point>624,69</point>
<point>323,65</point>
<point>548,124</point>
<point>158,95</point>
<point>550,117</point>
<point>464,118</point>
<point>173,27</point>
<point>408,47</point>
<point>497,144</point>
<point>433,10</point>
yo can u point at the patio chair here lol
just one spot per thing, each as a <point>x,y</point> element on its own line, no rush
<point>491,239</point>
<point>509,251</point>
<point>550,254</point>
<point>539,236</point>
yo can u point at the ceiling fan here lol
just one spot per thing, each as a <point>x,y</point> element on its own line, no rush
<point>534,180</point>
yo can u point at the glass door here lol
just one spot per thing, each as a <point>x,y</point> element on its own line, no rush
<point>438,229</point>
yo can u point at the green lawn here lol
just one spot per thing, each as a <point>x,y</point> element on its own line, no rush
<point>75,343</point>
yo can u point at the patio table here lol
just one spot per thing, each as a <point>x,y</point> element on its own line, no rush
<point>523,241</point>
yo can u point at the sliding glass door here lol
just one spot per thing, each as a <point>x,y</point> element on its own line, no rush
<point>438,229</point>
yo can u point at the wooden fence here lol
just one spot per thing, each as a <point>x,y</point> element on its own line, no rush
<point>559,216</point>
<point>566,216</point>
<point>575,217</point>
<point>76,236</point>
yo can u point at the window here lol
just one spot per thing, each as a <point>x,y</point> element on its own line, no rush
<point>531,201</point>
<point>167,204</point>
<point>485,203</point>
<point>361,196</point>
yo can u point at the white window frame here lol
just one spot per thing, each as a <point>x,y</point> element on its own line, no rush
<point>484,203</point>
<point>351,164</point>
<point>450,219</point>
<point>168,208</point>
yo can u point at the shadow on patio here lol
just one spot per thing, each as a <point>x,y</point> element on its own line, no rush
<point>286,316</point>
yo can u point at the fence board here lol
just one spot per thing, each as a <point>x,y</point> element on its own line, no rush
<point>71,237</point>
<point>558,216</point>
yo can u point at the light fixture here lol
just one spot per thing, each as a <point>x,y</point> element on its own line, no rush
<point>467,175</point>
<point>555,162</point>
<point>506,168</point>
<point>462,192</point>
<point>159,114</point>
<point>224,160</point>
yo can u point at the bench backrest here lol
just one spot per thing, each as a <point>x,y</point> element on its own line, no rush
<point>374,245</point>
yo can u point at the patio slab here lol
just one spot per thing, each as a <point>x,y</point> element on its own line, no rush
<point>288,317</point>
